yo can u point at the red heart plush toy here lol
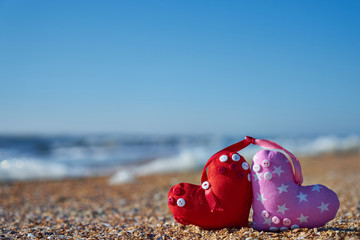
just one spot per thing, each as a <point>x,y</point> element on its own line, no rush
<point>224,197</point>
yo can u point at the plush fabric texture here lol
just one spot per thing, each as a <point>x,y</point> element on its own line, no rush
<point>278,199</point>
<point>224,197</point>
<point>280,202</point>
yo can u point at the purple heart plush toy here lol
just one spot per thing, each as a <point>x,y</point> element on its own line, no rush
<point>280,202</point>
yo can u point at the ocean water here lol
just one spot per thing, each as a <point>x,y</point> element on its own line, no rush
<point>124,157</point>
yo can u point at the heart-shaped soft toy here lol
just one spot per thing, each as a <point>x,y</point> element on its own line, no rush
<point>224,197</point>
<point>279,200</point>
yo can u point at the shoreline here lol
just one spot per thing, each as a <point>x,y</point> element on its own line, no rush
<point>91,208</point>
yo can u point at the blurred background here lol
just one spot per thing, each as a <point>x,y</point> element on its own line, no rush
<point>126,88</point>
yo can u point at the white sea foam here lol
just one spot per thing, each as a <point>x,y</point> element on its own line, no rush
<point>39,158</point>
<point>321,144</point>
<point>195,159</point>
<point>188,159</point>
<point>26,168</point>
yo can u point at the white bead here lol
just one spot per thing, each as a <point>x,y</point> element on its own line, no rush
<point>265,214</point>
<point>256,167</point>
<point>205,185</point>
<point>286,221</point>
<point>180,202</point>
<point>223,158</point>
<point>245,165</point>
<point>275,220</point>
<point>265,163</point>
<point>268,176</point>
<point>235,157</point>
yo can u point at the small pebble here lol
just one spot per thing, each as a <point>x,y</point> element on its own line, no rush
<point>30,235</point>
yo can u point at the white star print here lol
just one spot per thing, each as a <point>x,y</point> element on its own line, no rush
<point>278,170</point>
<point>257,176</point>
<point>283,188</point>
<point>324,207</point>
<point>316,187</point>
<point>302,197</point>
<point>261,197</point>
<point>267,221</point>
<point>303,218</point>
<point>282,208</point>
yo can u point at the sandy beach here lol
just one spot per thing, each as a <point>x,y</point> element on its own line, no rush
<point>91,208</point>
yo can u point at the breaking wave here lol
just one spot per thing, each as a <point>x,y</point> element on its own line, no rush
<point>125,157</point>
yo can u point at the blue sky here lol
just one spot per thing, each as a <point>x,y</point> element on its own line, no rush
<point>249,67</point>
